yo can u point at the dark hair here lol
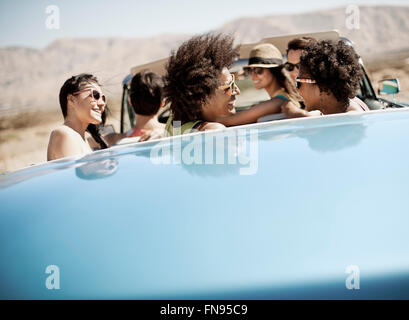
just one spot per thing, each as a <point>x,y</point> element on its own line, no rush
<point>284,80</point>
<point>72,85</point>
<point>193,73</point>
<point>334,66</point>
<point>75,84</point>
<point>93,129</point>
<point>146,93</point>
<point>299,43</point>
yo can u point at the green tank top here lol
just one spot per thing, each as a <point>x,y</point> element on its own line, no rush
<point>185,128</point>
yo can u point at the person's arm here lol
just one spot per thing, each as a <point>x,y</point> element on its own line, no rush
<point>61,145</point>
<point>251,115</point>
<point>153,134</point>
<point>290,111</point>
<point>112,138</point>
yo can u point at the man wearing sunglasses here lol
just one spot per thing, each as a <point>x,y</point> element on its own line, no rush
<point>294,51</point>
<point>199,87</point>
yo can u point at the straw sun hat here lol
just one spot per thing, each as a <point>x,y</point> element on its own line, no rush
<point>264,55</point>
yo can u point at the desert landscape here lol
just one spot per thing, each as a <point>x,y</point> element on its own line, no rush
<point>26,120</point>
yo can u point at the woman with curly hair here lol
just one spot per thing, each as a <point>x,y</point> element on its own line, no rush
<point>267,71</point>
<point>329,78</point>
<point>199,86</point>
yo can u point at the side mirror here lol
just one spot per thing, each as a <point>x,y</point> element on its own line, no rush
<point>388,86</point>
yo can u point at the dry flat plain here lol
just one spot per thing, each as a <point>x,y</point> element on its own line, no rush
<point>23,141</point>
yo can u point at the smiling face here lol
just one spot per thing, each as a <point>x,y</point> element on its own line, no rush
<point>85,104</point>
<point>293,57</point>
<point>263,80</point>
<point>222,103</point>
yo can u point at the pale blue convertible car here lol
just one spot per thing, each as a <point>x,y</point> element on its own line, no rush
<point>311,208</point>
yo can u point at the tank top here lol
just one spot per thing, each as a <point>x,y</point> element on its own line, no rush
<point>283,95</point>
<point>185,128</point>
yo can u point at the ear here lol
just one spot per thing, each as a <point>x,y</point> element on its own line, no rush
<point>70,98</point>
<point>162,104</point>
<point>70,101</point>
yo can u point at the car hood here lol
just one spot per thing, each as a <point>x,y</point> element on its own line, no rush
<point>297,202</point>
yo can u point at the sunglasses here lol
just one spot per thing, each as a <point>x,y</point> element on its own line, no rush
<point>94,93</point>
<point>303,80</point>
<point>256,70</point>
<point>231,86</point>
<point>290,66</point>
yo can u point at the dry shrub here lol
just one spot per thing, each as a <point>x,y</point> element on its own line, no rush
<point>27,119</point>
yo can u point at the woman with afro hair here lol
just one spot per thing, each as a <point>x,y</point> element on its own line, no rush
<point>329,78</point>
<point>199,86</point>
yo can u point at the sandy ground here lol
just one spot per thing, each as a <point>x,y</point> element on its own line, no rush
<point>27,145</point>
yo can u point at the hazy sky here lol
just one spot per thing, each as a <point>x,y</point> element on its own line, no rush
<point>23,22</point>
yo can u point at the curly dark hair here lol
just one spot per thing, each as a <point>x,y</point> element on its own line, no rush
<point>193,73</point>
<point>146,93</point>
<point>72,85</point>
<point>334,66</point>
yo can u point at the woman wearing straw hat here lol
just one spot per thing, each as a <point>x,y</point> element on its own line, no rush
<point>267,72</point>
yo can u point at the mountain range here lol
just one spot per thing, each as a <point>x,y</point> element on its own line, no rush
<point>31,78</point>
